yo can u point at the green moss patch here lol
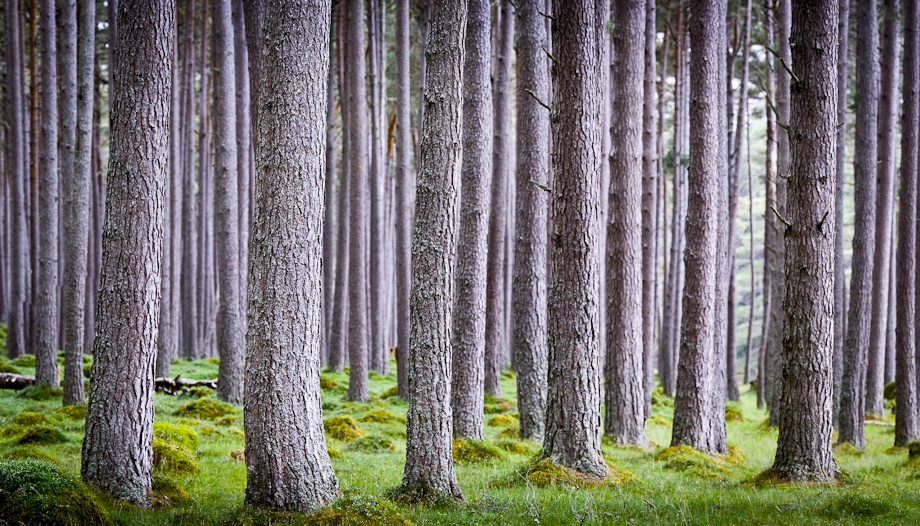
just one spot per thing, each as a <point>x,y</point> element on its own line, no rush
<point>72,412</point>
<point>7,368</point>
<point>206,409</point>
<point>229,420</point>
<point>327,383</point>
<point>167,493</point>
<point>26,360</point>
<point>733,412</point>
<point>355,509</point>
<point>687,459</point>
<point>545,473</point>
<point>475,451</point>
<point>41,434</point>
<point>29,419</point>
<point>658,420</point>
<point>180,436</point>
<point>40,493</point>
<point>173,459</point>
<point>846,449</point>
<point>390,393</point>
<point>40,393</point>
<point>518,447</point>
<point>342,428</point>
<point>502,420</point>
<point>659,399</point>
<point>30,452</point>
<point>371,444</point>
<point>381,417</point>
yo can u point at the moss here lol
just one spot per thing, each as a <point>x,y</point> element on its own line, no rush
<point>40,393</point>
<point>342,428</point>
<point>658,420</point>
<point>198,391</point>
<point>188,422</point>
<point>895,450</point>
<point>889,391</point>
<point>390,393</point>
<point>380,417</point>
<point>206,409</point>
<point>502,420</point>
<point>765,426</point>
<point>491,409</point>
<point>29,452</point>
<point>685,458</point>
<point>913,449</point>
<point>659,399</point>
<point>333,452</point>
<point>475,451</point>
<point>167,493</point>
<point>518,447</point>
<point>327,383</point>
<point>38,492</point>
<point>371,444</point>
<point>12,431</point>
<point>509,374</point>
<point>7,368</point>
<point>237,431</point>
<point>847,449</point>
<point>207,431</point>
<point>26,360</point>
<point>41,434</point>
<point>511,432</point>
<point>355,509</point>
<point>733,413</point>
<point>227,421</point>
<point>180,436</point>
<point>170,458</point>
<point>213,361</point>
<point>544,473</point>
<point>29,419</point>
<point>73,412</point>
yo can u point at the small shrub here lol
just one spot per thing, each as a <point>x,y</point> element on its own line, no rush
<point>26,360</point>
<point>29,419</point>
<point>40,493</point>
<point>327,383</point>
<point>733,413</point>
<point>381,416</point>
<point>342,428</point>
<point>170,458</point>
<point>167,493</point>
<point>180,436</point>
<point>371,444</point>
<point>390,393</point>
<point>502,420</point>
<point>40,393</point>
<point>511,432</point>
<point>475,451</point>
<point>41,434</point>
<point>206,409</point>
<point>73,412</point>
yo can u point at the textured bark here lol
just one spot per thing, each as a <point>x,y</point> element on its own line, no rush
<point>905,424</point>
<point>205,198</point>
<point>376,285</point>
<point>843,22</point>
<point>33,208</point>
<point>117,454</point>
<point>572,435</point>
<point>624,392</point>
<point>856,346</point>
<point>189,280</point>
<point>884,209</point>
<point>46,309</point>
<point>356,97</point>
<point>253,12</point>
<point>15,338</point>
<point>529,276</point>
<point>403,142</point>
<point>244,150</point>
<point>67,138</point>
<point>429,457</point>
<point>329,224</point>
<point>502,150</point>
<point>695,424</point>
<point>650,183</point>
<point>287,463</point>
<point>890,351</point>
<point>803,451</point>
<point>469,330</point>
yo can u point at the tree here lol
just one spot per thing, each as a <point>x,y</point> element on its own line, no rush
<point>624,400</point>
<point>429,456</point>
<point>403,141</point>
<point>375,283</point>
<point>67,138</point>
<point>244,150</point>
<point>839,263</point>
<point>572,435</point>
<point>287,463</point>
<point>770,219</point>
<point>650,184</point>
<point>528,295</point>
<point>469,330</point>
<point>856,346</point>
<point>803,451</point>
<point>189,279</point>
<point>905,424</point>
<point>230,324</point>
<point>117,453</point>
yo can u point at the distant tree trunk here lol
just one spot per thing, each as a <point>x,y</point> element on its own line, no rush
<point>624,390</point>
<point>803,451</point>
<point>750,333</point>
<point>253,11</point>
<point>694,423</point>
<point>429,458</point>
<point>769,236</point>
<point>205,199</point>
<point>662,204</point>
<point>529,276</point>
<point>329,223</point>
<point>905,423</point>
<point>67,138</point>
<point>377,352</point>
<point>189,282</point>
<point>649,214</point>
<point>884,209</point>
<point>244,148</point>
<point>404,187</point>
<point>32,196</point>
<point>890,351</point>
<point>501,167</point>
<point>853,392</point>
<point>572,436</point>
<point>843,21</point>
<point>469,329</point>
<point>117,454</point>
<point>287,463</point>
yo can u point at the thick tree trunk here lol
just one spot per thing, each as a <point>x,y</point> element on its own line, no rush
<point>469,338</point>
<point>572,436</point>
<point>189,281</point>
<point>624,390</point>
<point>117,455</point>
<point>529,276</point>
<point>905,424</point>
<point>803,451</point>
<point>843,22</point>
<point>404,187</point>
<point>287,463</point>
<point>429,457</point>
<point>501,167</point>
<point>856,347</point>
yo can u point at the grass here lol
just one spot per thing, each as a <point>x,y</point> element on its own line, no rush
<point>881,488</point>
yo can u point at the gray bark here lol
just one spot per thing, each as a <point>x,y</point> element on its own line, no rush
<point>189,279</point>
<point>117,455</point>
<point>253,12</point>
<point>403,142</point>
<point>243,150</point>
<point>843,21</point>
<point>329,224</point>
<point>287,463</point>
<point>376,284</point>
<point>18,242</point>
<point>67,138</point>
<point>650,184</point>
<point>338,341</point>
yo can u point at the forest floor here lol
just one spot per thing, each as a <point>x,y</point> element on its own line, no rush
<point>880,487</point>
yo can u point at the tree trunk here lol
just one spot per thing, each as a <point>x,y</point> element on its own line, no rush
<point>32,196</point>
<point>253,12</point>
<point>429,457</point>
<point>905,424</point>
<point>329,224</point>
<point>205,199</point>
<point>649,214</point>
<point>853,391</point>
<point>662,206</point>
<point>404,187</point>
<point>803,451</point>
<point>117,454</point>
<point>469,338</point>
<point>529,276</point>
<point>377,351</point>
<point>287,463</point>
<point>244,152</point>
<point>890,351</point>
<point>750,333</point>
<point>189,281</point>
<point>67,138</point>
<point>843,21</point>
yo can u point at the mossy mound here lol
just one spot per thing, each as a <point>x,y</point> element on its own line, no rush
<point>29,452</point>
<point>333,452</point>
<point>73,412</point>
<point>889,391</point>
<point>26,360</point>
<point>7,368</point>
<point>29,419</point>
<point>173,459</point>
<point>848,450</point>
<point>206,409</point>
<point>355,509</point>
<point>518,447</point>
<point>40,493</point>
<point>501,407</point>
<point>733,413</point>
<point>687,459</point>
<point>544,473</point>
<point>207,431</point>
<point>227,421</point>
<point>180,436</point>
<point>327,383</point>
<point>342,428</point>
<point>41,434</point>
<point>390,393</point>
<point>167,493</point>
<point>658,420</point>
<point>213,361</point>
<point>381,416</point>
<point>765,426</point>
<point>509,374</point>
<point>502,420</point>
<point>659,399</point>
<point>197,391</point>
<point>371,444</point>
<point>40,393</point>
<point>511,432</point>
<point>237,431</point>
<point>475,451</point>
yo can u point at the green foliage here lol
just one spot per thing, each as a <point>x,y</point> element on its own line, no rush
<point>544,473</point>
<point>847,449</point>
<point>889,391</point>
<point>170,458</point>
<point>206,409</point>
<point>229,420</point>
<point>850,505</point>
<point>40,493</point>
<point>502,420</point>
<point>29,418</point>
<point>475,451</point>
<point>342,428</point>
<point>40,393</point>
<point>7,368</point>
<point>213,361</point>
<point>72,412</point>
<point>733,412</point>
<point>511,432</point>
<point>518,447</point>
<point>41,434</point>
<point>198,391</point>
<point>685,458</point>
<point>659,399</point>
<point>327,383</point>
<point>180,436</point>
<point>168,493</point>
<point>371,444</point>
<point>658,420</point>
<point>508,374</point>
<point>26,360</point>
<point>391,392</point>
<point>380,417</point>
<point>355,509</point>
<point>30,452</point>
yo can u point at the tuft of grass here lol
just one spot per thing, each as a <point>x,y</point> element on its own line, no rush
<point>544,473</point>
<point>29,418</point>
<point>475,451</point>
<point>30,452</point>
<point>381,416</point>
<point>72,412</point>
<point>687,459</point>
<point>502,420</point>
<point>41,434</point>
<point>41,493</point>
<point>343,428</point>
<point>371,444</point>
<point>40,393</point>
<point>518,447</point>
<point>206,409</point>
<point>355,509</point>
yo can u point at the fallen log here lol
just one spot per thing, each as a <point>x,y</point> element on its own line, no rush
<point>172,386</point>
<point>15,381</point>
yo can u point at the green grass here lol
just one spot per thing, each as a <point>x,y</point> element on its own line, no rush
<point>879,490</point>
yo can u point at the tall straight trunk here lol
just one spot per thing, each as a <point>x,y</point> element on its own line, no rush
<point>843,22</point>
<point>205,200</point>
<point>750,333</point>
<point>117,453</point>
<point>695,424</point>
<point>356,99</point>
<point>606,85</point>
<point>67,138</point>
<point>18,243</point>
<point>34,207</point>
<point>890,350</point>
<point>529,276</point>
<point>253,12</point>
<point>856,346</point>
<point>189,281</point>
<point>287,463</point>
<point>429,459</point>
<point>884,209</point>
<point>905,423</point>
<point>424,25</point>
<point>502,150</point>
<point>403,142</point>
<point>329,238</point>
<point>624,389</point>
<point>649,213</point>
<point>244,148</point>
<point>469,329</point>
<point>46,309</point>
<point>662,208</point>
<point>572,435</point>
<point>377,352</point>
<point>803,451</point>
<point>97,214</point>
